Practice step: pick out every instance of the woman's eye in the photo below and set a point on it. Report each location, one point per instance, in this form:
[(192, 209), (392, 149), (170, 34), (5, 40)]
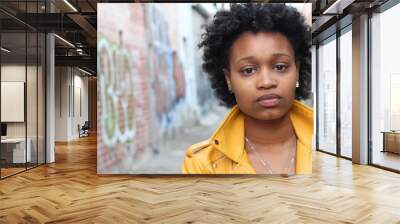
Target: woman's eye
[(280, 67), (248, 71)]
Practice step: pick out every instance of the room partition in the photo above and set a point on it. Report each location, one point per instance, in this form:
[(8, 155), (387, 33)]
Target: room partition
[(22, 77)]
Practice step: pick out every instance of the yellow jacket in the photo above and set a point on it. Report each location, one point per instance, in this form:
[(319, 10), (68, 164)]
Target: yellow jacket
[(224, 152)]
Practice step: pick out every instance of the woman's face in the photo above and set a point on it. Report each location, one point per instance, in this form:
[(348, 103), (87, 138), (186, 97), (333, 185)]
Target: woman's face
[(263, 74)]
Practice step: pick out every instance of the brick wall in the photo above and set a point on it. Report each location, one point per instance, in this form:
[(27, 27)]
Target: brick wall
[(141, 83)]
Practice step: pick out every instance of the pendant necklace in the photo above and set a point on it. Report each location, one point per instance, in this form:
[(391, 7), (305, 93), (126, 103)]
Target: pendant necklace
[(265, 163)]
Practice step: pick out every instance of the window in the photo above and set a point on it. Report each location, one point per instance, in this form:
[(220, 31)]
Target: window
[(22, 78), (385, 89), (327, 96), (346, 92)]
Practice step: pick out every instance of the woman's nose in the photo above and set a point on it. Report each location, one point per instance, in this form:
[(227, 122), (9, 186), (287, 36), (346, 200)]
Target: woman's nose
[(266, 79)]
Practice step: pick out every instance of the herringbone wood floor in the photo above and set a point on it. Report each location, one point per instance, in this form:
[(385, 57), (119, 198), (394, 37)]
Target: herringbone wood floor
[(70, 191)]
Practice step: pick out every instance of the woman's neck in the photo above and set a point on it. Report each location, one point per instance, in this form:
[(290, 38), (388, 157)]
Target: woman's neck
[(273, 132)]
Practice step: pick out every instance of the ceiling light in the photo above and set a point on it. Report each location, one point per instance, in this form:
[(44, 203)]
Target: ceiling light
[(330, 8), (5, 50), (338, 6), (70, 5), (64, 40), (86, 72), (79, 51)]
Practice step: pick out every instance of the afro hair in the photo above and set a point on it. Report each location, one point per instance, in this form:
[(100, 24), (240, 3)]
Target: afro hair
[(228, 25)]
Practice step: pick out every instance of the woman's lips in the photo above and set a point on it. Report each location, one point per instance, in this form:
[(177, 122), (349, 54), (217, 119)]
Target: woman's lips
[(269, 100)]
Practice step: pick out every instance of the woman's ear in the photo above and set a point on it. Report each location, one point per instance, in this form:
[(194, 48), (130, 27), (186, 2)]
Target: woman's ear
[(228, 79)]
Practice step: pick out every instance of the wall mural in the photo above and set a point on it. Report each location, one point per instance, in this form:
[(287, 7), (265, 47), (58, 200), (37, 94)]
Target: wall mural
[(121, 104), (117, 97), (154, 99), (138, 93), (169, 80)]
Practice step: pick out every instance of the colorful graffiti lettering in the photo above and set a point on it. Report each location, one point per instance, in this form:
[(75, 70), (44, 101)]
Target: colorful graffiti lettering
[(116, 84), (169, 80)]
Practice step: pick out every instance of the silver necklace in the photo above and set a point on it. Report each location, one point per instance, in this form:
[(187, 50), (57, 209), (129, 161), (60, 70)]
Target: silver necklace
[(265, 163)]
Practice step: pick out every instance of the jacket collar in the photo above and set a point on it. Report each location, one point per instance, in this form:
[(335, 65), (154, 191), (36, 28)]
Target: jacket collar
[(229, 137)]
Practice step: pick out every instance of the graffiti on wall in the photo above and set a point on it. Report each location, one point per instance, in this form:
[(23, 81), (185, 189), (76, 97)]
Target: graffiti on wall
[(122, 101), (116, 82), (141, 87), (168, 82)]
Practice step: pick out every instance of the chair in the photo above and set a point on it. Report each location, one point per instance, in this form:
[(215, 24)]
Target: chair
[(84, 130)]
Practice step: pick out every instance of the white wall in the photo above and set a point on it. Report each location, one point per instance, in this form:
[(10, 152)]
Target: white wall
[(33, 126), (12, 73), (79, 117), (61, 103), (70, 83)]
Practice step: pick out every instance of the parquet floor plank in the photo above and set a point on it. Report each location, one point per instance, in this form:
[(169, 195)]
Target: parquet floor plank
[(70, 191)]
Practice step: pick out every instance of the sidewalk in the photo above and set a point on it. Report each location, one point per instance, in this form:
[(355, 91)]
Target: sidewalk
[(172, 152)]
